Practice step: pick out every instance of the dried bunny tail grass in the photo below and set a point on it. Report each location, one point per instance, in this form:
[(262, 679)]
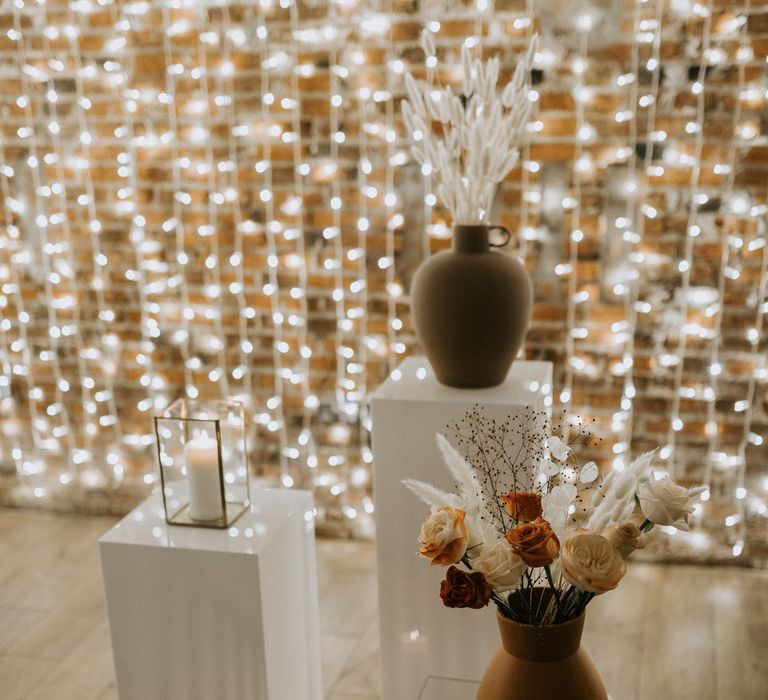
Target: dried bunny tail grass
[(530, 56), (436, 110), (427, 42), (409, 116), (415, 95), (479, 140), (466, 64), (509, 163)]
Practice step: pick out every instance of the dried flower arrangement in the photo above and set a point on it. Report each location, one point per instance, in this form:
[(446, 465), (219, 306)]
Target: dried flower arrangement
[(475, 143), (528, 515)]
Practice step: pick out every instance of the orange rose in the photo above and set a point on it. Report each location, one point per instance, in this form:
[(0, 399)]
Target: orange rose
[(444, 536), (535, 542), (465, 590), (523, 506)]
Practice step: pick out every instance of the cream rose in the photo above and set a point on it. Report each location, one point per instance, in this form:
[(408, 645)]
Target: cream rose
[(500, 565), (443, 537), (664, 502), (626, 537), (591, 563)]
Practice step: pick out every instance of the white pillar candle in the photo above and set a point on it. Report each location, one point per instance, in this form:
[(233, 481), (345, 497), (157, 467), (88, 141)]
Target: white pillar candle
[(202, 461)]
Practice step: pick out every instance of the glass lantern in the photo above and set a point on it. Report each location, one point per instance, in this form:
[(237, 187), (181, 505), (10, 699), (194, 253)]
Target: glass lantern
[(203, 457)]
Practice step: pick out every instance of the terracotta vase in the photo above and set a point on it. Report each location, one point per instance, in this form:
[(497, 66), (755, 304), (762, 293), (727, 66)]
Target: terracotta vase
[(471, 307), (541, 663)]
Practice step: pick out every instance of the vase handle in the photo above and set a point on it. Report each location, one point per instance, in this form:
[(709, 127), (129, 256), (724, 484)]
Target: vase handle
[(507, 236)]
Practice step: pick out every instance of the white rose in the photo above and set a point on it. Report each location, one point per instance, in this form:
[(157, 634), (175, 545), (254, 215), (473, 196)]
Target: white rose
[(664, 502), (500, 565)]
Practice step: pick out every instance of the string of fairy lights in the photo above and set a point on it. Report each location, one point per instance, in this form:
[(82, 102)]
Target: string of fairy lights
[(368, 345), (528, 166), (135, 141), (54, 270), (274, 417), (622, 419), (20, 345), (86, 213), (693, 230), (649, 29), (64, 268), (237, 287), (730, 245), (215, 201), (584, 132)]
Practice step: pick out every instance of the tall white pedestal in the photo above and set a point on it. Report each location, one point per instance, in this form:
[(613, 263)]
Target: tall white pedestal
[(197, 614), (427, 648)]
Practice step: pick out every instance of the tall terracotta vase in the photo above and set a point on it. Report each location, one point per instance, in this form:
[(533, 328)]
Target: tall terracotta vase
[(471, 307), (541, 663)]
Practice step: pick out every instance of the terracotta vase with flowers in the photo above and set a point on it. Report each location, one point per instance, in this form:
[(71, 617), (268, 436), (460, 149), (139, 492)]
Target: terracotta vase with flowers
[(522, 550)]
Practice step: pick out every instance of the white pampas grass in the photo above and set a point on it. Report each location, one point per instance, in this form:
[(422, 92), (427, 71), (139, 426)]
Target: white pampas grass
[(480, 138), (469, 486), (431, 495), (470, 491)]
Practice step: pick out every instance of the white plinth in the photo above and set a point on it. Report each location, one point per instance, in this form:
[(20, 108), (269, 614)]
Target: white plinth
[(420, 638), (197, 614)]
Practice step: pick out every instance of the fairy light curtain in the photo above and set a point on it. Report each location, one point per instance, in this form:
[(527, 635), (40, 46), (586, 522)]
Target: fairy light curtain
[(217, 198)]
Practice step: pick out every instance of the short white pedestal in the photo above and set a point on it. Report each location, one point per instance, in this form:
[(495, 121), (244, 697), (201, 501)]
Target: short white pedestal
[(423, 643), (198, 614)]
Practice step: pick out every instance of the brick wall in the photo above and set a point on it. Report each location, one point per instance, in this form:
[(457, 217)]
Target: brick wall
[(197, 197)]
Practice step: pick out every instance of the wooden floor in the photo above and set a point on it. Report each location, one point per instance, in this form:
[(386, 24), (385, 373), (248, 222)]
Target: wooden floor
[(667, 633)]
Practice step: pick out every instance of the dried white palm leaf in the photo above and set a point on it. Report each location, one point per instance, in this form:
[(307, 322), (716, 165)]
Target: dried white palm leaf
[(615, 500)]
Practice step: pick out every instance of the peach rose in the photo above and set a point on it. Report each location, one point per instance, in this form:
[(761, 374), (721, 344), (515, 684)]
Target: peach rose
[(523, 506), (626, 537), (535, 542), (591, 563), (443, 537)]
